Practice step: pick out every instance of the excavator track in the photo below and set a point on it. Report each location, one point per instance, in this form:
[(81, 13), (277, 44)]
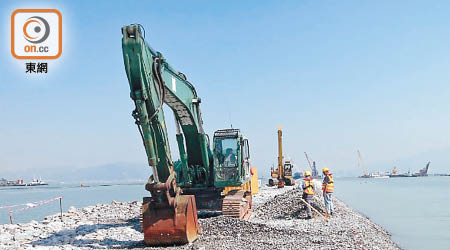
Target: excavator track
[(237, 204)]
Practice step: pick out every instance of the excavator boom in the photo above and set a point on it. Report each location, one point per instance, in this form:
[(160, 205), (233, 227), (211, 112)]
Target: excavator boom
[(280, 158)]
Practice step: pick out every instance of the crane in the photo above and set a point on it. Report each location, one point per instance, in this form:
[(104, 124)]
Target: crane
[(362, 164), (313, 167), (309, 162), (197, 179), (423, 171)]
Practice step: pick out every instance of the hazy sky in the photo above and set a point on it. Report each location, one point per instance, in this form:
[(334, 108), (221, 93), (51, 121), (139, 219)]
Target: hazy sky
[(337, 75)]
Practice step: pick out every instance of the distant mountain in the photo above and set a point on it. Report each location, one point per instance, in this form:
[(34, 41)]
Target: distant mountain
[(108, 172)]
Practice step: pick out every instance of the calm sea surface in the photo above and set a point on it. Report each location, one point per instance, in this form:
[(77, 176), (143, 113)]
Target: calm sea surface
[(416, 211), (73, 195)]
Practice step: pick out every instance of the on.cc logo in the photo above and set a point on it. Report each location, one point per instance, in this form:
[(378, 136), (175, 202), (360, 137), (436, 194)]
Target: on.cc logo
[(36, 29), (36, 34)]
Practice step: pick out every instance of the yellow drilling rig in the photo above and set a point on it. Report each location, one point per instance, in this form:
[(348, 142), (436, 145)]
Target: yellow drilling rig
[(283, 174)]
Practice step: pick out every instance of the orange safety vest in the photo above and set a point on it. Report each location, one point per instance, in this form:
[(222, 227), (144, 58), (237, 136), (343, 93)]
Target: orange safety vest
[(328, 183), (308, 186)]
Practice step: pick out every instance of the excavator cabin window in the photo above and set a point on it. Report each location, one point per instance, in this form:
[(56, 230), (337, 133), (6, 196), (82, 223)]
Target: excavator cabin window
[(288, 168), (225, 150)]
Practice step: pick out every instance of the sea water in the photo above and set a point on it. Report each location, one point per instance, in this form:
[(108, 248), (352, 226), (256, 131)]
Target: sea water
[(416, 211), (72, 195)]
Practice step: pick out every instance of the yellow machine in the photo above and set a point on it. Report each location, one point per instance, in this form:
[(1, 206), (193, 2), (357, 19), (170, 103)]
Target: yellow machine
[(252, 185), (288, 173), (283, 175), (273, 176)]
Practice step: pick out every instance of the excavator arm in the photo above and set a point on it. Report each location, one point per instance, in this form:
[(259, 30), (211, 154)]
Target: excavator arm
[(168, 216), (154, 82)]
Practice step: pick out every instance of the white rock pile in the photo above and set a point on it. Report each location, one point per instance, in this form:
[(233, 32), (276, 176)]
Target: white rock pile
[(277, 223)]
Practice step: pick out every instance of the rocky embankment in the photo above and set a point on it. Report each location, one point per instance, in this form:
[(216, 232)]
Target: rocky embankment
[(278, 222)]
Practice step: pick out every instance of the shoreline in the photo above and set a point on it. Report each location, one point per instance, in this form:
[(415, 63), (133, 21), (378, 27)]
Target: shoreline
[(277, 222), (344, 220)]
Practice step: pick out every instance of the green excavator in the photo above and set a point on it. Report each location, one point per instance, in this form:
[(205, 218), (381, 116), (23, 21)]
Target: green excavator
[(197, 180)]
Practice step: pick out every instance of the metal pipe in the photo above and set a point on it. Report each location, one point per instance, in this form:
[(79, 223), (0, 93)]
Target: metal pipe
[(177, 124), (60, 207), (315, 210), (199, 116), (10, 216)]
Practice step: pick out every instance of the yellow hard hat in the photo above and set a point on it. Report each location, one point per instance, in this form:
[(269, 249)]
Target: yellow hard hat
[(325, 170), (307, 173)]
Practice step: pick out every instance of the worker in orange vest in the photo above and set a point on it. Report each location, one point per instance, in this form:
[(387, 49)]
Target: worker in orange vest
[(308, 192), (328, 188)]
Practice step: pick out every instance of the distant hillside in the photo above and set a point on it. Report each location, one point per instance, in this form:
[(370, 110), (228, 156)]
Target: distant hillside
[(108, 172)]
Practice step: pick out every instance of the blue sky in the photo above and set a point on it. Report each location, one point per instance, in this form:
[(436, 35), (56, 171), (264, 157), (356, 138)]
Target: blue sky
[(337, 75)]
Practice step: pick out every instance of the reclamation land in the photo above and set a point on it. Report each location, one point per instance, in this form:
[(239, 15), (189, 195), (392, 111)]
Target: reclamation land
[(278, 221)]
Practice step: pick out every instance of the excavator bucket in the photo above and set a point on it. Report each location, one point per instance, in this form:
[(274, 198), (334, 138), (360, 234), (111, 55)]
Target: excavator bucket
[(164, 224)]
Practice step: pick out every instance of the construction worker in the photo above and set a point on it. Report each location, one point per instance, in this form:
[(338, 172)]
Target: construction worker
[(308, 192), (230, 158), (328, 188)]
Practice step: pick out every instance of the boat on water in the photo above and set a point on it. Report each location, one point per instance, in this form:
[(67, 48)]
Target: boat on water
[(37, 182), (395, 174), (5, 183), (20, 183), (401, 175), (375, 175), (422, 172)]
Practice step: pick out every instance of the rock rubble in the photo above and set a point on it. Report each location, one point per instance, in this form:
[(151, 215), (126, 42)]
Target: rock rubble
[(278, 222)]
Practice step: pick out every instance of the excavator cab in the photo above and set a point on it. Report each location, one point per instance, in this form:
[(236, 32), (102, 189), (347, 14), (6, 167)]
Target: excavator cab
[(288, 168), (288, 173), (232, 172), (231, 158)]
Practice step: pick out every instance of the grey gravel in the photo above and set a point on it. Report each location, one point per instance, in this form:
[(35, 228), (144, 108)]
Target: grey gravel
[(278, 222)]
